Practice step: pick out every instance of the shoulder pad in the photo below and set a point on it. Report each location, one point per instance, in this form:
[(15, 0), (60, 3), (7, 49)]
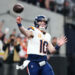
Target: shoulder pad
[(31, 27)]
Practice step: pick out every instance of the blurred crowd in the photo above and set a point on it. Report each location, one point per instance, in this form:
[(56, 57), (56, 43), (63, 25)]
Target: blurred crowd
[(13, 50), (64, 7), (14, 39)]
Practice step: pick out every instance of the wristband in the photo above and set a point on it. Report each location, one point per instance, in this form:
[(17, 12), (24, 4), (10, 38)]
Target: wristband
[(57, 47), (19, 25)]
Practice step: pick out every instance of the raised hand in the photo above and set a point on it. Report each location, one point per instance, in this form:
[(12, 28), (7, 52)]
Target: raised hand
[(61, 41), (18, 20)]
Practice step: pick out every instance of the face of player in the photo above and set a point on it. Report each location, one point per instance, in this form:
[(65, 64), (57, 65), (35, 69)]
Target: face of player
[(42, 26)]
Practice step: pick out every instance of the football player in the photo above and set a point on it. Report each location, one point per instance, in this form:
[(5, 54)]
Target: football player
[(39, 41)]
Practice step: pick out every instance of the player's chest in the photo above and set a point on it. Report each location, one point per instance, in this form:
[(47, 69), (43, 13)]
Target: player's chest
[(41, 36)]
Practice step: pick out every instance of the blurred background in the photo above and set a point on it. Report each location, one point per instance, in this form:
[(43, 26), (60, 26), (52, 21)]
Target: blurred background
[(13, 45)]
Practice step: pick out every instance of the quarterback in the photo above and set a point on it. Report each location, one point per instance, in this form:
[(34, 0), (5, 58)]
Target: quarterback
[(39, 41)]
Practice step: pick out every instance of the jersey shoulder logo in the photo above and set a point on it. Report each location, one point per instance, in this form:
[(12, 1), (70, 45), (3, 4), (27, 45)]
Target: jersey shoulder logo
[(39, 35)]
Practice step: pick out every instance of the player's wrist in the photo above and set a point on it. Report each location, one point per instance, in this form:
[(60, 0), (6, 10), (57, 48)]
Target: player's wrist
[(19, 24), (57, 47)]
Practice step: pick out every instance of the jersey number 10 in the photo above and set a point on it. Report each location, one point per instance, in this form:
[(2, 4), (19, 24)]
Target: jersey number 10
[(43, 46)]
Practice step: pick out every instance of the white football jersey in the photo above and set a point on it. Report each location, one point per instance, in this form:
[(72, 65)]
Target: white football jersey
[(38, 44)]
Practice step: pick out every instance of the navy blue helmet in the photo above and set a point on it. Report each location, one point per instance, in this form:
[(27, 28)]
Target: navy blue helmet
[(40, 18)]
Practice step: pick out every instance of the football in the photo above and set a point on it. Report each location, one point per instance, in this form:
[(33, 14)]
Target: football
[(18, 8)]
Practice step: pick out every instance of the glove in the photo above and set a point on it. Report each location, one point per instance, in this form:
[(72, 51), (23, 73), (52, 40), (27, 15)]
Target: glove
[(25, 63), (18, 67)]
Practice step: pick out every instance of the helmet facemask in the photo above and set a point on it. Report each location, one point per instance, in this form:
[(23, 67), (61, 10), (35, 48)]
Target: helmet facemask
[(42, 29), (42, 25), (40, 19)]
